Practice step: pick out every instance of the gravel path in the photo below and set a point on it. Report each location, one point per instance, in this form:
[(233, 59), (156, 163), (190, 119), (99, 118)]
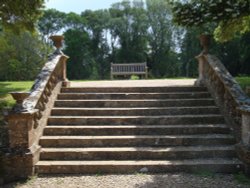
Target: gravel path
[(180, 180), (135, 83)]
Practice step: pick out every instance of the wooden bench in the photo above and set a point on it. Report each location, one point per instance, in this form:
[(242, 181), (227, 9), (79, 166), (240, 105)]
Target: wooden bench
[(128, 69)]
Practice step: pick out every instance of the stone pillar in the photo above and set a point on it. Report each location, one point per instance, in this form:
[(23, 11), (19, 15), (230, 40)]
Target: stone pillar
[(66, 82), (243, 148), (245, 134), (201, 61), (23, 153), (21, 129), (58, 43)]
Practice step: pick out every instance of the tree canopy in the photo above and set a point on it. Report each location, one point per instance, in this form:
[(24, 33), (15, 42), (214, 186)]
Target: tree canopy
[(20, 14), (231, 16), (127, 32)]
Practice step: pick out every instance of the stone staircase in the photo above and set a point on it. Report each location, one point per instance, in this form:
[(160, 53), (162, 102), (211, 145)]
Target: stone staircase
[(136, 129)]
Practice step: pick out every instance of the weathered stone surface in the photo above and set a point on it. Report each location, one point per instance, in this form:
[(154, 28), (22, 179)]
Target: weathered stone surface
[(231, 99), (154, 123), (4, 136), (245, 111), (148, 89), (135, 103), (89, 130), (21, 129), (94, 167), (173, 95), (226, 91), (228, 80), (26, 123), (138, 153)]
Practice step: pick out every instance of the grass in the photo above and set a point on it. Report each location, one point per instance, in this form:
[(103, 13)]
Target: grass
[(243, 81), (5, 98), (204, 173), (242, 178)]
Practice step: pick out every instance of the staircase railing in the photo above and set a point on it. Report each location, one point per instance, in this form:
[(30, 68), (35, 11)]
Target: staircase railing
[(28, 117), (233, 102)]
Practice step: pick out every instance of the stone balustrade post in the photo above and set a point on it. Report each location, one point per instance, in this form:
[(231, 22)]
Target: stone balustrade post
[(243, 148), (58, 43), (245, 111), (204, 42), (21, 129), (66, 82), (23, 152), (201, 61)]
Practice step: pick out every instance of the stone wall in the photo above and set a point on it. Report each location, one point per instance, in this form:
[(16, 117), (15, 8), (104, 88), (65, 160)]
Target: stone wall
[(3, 145), (233, 102), (27, 119), (226, 91), (3, 135)]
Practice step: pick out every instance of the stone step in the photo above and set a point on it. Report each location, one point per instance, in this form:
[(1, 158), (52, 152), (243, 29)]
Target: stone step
[(179, 95), (150, 166), (134, 111), (136, 130), (136, 120), (134, 103), (133, 89), (138, 153), (136, 141)]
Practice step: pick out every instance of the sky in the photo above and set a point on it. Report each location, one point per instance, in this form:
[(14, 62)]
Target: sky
[(79, 6)]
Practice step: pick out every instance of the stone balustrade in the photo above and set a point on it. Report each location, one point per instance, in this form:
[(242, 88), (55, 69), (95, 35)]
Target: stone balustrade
[(233, 102), (28, 117)]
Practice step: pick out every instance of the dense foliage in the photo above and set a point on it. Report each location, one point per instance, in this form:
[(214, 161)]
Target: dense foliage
[(22, 56), (127, 32), (20, 14), (232, 16)]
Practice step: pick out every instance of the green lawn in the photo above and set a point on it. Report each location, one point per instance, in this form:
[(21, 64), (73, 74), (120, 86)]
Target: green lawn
[(243, 81), (5, 87)]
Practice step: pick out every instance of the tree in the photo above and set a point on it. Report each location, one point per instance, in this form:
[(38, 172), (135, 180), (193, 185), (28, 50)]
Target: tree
[(129, 26), (50, 23), (77, 47), (20, 14), (22, 56), (232, 16), (161, 40), (97, 27)]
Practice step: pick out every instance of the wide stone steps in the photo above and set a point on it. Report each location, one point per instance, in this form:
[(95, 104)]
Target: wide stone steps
[(132, 166), (136, 129), (89, 130), (136, 140), (134, 111), (107, 103), (133, 89), (138, 153), (135, 120), (171, 95)]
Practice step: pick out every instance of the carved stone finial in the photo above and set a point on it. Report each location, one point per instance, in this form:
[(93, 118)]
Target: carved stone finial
[(19, 97), (57, 42), (205, 42)]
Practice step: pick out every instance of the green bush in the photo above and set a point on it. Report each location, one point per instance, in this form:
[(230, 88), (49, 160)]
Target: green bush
[(134, 77)]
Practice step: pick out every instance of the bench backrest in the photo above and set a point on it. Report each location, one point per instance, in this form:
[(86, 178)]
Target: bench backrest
[(128, 67)]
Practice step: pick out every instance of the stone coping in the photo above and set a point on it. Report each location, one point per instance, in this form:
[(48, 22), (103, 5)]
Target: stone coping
[(228, 80), (40, 83), (245, 109)]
